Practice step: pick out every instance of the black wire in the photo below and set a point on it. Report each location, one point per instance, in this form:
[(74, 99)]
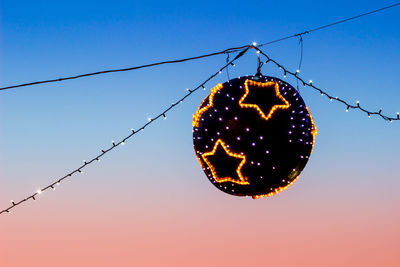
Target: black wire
[(114, 144), (352, 18), (301, 59), (126, 69), (229, 50), (227, 68), (329, 25), (331, 98)]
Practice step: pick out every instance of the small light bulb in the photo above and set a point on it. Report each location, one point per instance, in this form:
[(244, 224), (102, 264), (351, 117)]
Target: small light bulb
[(254, 43), (39, 191)]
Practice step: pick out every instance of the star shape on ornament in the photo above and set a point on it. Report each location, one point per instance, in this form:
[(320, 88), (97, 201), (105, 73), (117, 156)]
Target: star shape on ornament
[(200, 111), (225, 159), (259, 92)]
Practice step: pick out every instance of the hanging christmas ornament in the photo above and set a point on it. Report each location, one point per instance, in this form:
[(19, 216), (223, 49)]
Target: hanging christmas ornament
[(253, 136)]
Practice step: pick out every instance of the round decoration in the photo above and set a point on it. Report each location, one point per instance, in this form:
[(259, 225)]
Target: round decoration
[(253, 136)]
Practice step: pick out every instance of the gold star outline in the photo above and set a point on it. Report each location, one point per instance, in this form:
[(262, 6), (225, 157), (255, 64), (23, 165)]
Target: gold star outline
[(242, 181), (275, 85), (200, 111)]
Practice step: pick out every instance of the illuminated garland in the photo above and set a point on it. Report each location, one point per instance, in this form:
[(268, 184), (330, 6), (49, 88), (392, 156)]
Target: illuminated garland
[(122, 142), (323, 93)]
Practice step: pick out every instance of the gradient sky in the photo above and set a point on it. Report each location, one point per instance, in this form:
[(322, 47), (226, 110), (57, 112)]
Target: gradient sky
[(148, 203)]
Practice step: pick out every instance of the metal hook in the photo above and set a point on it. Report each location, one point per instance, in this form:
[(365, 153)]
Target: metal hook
[(260, 64)]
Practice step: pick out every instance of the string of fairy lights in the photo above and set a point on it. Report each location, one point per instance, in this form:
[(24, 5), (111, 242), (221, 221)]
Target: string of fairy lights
[(122, 142), (241, 50), (323, 93)]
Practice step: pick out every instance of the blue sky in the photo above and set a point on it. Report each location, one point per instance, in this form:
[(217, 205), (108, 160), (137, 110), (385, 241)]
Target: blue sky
[(151, 194)]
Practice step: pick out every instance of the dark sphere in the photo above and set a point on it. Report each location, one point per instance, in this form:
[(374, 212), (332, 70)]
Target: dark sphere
[(253, 136)]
